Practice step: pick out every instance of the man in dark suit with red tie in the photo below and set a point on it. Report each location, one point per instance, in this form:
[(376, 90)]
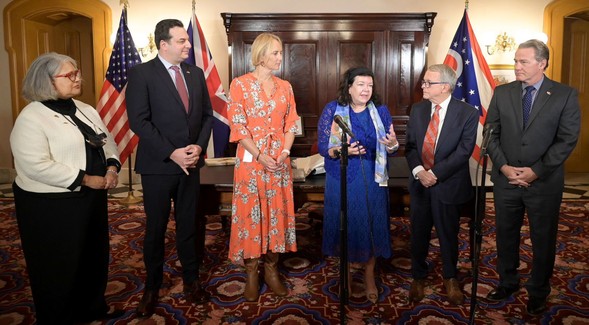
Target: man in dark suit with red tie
[(537, 123), (170, 110), (441, 135)]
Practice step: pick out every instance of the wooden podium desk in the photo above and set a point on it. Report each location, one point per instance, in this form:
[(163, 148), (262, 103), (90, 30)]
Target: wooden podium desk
[(217, 188)]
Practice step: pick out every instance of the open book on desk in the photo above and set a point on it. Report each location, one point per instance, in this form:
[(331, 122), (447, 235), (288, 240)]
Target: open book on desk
[(305, 166)]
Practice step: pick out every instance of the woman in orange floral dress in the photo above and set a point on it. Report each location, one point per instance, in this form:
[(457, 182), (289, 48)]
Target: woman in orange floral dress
[(262, 115)]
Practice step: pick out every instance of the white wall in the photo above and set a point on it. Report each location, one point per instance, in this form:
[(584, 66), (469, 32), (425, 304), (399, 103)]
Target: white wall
[(523, 19)]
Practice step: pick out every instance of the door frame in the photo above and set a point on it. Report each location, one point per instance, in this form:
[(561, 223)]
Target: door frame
[(554, 15), (16, 12)]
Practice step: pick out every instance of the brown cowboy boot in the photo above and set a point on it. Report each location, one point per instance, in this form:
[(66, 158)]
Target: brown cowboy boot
[(271, 275), (251, 291)]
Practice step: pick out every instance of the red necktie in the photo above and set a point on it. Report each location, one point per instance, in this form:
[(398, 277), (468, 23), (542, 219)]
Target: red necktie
[(181, 86), (429, 143)]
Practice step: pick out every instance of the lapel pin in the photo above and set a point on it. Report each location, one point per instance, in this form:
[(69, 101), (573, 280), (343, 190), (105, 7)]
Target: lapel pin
[(548, 93)]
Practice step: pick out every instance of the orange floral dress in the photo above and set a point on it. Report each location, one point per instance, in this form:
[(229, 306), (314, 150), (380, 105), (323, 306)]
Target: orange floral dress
[(262, 214)]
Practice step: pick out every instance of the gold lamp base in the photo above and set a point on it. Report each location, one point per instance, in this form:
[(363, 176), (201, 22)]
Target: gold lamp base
[(131, 199)]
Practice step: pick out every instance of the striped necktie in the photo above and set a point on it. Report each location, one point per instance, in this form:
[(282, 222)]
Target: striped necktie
[(429, 143)]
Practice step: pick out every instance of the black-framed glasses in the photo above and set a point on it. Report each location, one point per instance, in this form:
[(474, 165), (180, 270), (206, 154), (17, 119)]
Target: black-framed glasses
[(427, 84), (72, 75)]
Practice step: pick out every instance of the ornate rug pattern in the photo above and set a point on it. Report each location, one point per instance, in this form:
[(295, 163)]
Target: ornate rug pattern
[(313, 280)]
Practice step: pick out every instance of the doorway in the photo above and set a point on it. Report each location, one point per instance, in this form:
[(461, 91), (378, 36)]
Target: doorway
[(575, 73), (566, 22), (80, 29)]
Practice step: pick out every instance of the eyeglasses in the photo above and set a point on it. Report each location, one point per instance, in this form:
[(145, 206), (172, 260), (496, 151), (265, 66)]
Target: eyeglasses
[(95, 140), (427, 84), (72, 75)]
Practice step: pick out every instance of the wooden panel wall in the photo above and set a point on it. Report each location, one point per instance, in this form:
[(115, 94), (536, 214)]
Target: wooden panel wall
[(319, 48)]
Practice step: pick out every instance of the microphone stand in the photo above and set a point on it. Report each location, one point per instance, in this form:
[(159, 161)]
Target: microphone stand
[(343, 229), (478, 235)]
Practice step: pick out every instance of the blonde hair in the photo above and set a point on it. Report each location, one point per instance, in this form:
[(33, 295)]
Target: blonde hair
[(261, 45)]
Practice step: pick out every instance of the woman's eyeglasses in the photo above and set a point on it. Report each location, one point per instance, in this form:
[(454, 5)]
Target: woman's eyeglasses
[(96, 140), (72, 75)]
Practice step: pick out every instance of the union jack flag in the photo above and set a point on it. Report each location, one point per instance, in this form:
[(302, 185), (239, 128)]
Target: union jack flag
[(112, 106), (202, 58), (475, 83)]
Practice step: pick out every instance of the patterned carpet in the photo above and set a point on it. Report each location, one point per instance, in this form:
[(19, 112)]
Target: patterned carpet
[(312, 280)]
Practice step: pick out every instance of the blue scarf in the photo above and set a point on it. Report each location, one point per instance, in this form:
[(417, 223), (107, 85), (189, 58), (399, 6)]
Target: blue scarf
[(381, 175)]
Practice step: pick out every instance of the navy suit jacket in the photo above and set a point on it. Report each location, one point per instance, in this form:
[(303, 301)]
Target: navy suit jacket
[(453, 150), (157, 115), (548, 139)]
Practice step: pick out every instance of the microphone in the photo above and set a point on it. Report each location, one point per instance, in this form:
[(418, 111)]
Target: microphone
[(342, 124), (487, 131)]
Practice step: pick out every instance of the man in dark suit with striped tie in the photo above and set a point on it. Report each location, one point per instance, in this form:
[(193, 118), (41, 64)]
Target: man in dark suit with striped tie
[(170, 110), (441, 136), (537, 123)]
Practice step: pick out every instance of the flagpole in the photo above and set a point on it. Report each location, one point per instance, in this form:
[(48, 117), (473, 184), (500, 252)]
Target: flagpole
[(130, 199)]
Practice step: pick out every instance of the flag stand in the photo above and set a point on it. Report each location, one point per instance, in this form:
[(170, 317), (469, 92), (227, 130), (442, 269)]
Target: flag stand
[(130, 199)]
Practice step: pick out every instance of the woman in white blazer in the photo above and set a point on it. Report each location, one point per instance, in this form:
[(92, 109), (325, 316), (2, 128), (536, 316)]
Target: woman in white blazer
[(65, 161)]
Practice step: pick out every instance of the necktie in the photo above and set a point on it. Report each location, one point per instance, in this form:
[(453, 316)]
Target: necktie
[(527, 103), (181, 86), (429, 143)]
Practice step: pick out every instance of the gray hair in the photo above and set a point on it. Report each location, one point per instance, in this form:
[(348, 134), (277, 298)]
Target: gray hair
[(540, 49), (447, 74), (38, 82)]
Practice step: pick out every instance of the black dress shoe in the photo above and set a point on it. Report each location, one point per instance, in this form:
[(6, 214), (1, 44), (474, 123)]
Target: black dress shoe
[(536, 306), (146, 306), (501, 293), (195, 294)]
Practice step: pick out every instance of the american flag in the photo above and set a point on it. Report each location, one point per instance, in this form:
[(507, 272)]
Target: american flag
[(112, 106), (475, 83), (202, 58)]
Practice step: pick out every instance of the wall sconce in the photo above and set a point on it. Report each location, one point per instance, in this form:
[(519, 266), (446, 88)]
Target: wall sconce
[(503, 43), (149, 50)]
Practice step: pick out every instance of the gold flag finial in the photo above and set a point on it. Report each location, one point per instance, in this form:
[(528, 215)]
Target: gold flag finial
[(125, 3), (466, 4), (193, 5)]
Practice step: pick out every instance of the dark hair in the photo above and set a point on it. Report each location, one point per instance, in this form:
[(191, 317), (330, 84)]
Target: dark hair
[(348, 78), (162, 30), (540, 49)]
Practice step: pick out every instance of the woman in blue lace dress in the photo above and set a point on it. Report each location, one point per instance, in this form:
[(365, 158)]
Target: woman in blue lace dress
[(367, 194)]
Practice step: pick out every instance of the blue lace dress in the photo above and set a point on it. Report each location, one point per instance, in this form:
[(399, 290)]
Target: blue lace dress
[(368, 203)]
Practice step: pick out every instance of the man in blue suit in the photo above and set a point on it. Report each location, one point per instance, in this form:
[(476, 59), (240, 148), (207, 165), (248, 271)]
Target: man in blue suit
[(170, 110), (441, 181), (533, 139)]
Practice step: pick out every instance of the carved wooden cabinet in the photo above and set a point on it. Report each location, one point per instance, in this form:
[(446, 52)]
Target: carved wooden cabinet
[(319, 48)]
